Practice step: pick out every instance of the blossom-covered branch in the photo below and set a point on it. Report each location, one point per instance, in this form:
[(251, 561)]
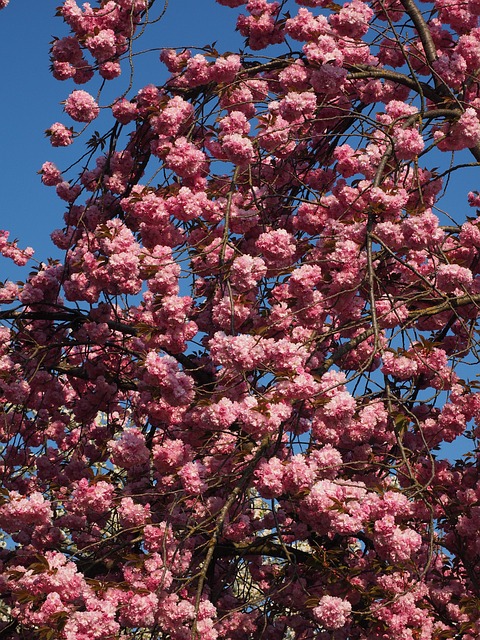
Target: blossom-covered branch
[(223, 412)]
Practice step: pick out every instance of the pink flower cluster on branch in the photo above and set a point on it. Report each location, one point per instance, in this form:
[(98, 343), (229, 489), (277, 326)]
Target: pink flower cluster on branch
[(222, 412), (104, 32), (10, 249)]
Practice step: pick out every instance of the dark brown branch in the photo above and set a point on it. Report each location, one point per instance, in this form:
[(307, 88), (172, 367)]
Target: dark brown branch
[(81, 373), (264, 548), (359, 72), (422, 29)]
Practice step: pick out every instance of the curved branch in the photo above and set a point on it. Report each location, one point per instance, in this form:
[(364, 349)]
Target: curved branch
[(360, 71), (422, 29)]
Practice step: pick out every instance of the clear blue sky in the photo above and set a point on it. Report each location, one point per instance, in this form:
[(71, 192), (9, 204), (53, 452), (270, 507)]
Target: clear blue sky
[(32, 102)]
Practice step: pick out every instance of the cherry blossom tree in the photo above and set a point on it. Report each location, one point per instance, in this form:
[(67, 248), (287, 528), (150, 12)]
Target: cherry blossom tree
[(223, 412)]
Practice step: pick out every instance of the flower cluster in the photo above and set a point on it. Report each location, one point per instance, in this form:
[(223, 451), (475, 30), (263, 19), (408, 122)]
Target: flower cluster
[(81, 106)]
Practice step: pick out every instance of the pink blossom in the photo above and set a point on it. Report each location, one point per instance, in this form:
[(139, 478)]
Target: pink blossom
[(176, 387), (226, 68), (422, 231), (67, 50), (341, 407), (110, 70), (468, 48), (470, 235), (277, 247), (352, 20), (59, 135), (174, 61), (393, 542), (59, 576), (332, 612), (328, 79), (72, 14), (260, 28), (242, 351), (51, 175), (390, 53), (451, 276), (191, 475), (451, 68), (336, 506), (238, 149), (63, 70), (324, 51), (129, 450), (239, 98), (132, 514), (399, 366), (463, 134), (83, 74), (305, 26), (228, 464), (304, 279), (102, 45), (298, 105), (81, 106), (276, 137), (92, 498), (188, 205), (8, 291), (221, 414), (469, 127), (170, 455), (390, 10), (140, 610), (147, 208), (176, 115), (227, 313), (198, 71), (124, 111), (148, 98), (310, 218), (51, 608), (10, 250), (398, 109), (246, 272), (158, 537), (91, 625), (474, 199), (408, 143), (285, 355), (235, 122), (390, 314), (328, 461), (299, 475), (269, 478), (295, 76), (21, 511), (313, 3), (185, 159), (135, 5)]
